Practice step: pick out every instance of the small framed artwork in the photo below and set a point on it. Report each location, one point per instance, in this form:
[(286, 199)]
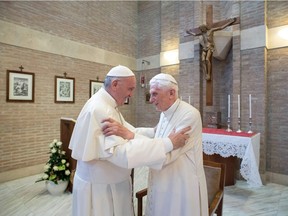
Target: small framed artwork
[(126, 101), (20, 86), (64, 89), (95, 85), (147, 97)]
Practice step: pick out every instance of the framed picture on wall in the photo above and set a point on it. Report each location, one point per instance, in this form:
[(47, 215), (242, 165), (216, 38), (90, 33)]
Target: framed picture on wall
[(95, 85), (64, 89), (20, 86), (126, 101)]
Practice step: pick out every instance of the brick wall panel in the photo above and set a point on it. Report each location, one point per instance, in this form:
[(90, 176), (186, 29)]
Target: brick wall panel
[(26, 129)]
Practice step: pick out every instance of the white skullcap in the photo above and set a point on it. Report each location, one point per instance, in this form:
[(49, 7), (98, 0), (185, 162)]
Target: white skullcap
[(120, 71), (163, 79)]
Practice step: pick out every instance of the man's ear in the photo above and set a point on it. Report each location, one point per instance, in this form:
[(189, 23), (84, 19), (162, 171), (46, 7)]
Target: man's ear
[(172, 92), (114, 83)]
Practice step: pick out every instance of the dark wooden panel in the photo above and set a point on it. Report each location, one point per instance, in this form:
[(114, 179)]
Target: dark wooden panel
[(230, 163), (66, 130)]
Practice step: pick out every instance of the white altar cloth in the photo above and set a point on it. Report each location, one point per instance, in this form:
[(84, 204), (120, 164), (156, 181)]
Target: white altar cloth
[(242, 145)]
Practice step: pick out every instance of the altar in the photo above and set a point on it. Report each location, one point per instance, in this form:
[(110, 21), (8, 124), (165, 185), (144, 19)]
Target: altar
[(243, 145)]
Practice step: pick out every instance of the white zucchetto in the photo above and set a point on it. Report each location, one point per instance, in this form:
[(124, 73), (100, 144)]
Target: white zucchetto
[(163, 78), (120, 71)]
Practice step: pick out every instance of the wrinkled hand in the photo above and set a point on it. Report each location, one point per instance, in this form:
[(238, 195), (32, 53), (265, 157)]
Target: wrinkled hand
[(112, 127), (178, 139)]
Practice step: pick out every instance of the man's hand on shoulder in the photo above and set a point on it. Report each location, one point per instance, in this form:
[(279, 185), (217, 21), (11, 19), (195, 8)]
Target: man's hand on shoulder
[(112, 127), (179, 139)]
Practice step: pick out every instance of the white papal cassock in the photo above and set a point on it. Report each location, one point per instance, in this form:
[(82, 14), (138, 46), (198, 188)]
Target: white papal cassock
[(102, 184), (179, 188)]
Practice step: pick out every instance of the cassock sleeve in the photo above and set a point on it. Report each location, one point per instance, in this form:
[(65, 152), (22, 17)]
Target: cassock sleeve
[(140, 152), (148, 132), (88, 142)]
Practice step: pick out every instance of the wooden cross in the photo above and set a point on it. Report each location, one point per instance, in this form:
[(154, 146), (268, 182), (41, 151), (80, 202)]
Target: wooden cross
[(21, 68), (206, 32), (65, 74)]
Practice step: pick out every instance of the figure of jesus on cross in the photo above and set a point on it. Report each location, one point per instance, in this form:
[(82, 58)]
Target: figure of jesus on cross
[(207, 42), (206, 34)]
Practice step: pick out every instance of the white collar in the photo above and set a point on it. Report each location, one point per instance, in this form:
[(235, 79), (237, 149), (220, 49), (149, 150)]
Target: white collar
[(170, 111)]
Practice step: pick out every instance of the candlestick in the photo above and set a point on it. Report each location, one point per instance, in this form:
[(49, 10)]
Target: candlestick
[(228, 119), (239, 126), (250, 107), (250, 125), (229, 106), (228, 125), (239, 120), (238, 106), (142, 81)]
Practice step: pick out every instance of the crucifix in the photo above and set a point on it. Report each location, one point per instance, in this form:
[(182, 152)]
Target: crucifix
[(21, 68), (206, 34)]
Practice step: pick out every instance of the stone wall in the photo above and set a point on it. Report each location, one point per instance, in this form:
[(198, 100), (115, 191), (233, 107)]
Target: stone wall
[(108, 25), (277, 127), (26, 129), (245, 71), (141, 30)]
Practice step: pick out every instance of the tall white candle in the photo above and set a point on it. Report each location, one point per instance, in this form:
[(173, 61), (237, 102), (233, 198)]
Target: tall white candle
[(229, 106), (180, 97), (189, 100), (250, 107), (238, 106)]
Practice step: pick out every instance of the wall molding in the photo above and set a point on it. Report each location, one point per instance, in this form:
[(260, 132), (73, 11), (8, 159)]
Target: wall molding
[(276, 178), (274, 40), (21, 173), (20, 36)]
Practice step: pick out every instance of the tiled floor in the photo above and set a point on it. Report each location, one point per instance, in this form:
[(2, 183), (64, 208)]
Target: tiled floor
[(23, 197), (268, 200)]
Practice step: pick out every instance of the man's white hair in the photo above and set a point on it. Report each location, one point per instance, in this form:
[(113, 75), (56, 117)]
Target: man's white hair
[(166, 81)]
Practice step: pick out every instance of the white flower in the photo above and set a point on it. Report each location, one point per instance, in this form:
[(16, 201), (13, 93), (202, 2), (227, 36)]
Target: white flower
[(67, 172), (53, 150), (45, 176), (46, 167), (51, 168)]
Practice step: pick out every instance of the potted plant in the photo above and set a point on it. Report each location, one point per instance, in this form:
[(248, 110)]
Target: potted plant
[(56, 170)]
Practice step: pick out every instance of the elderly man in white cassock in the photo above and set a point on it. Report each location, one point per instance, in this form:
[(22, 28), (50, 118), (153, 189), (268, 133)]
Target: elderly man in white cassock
[(179, 188), (102, 182)]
